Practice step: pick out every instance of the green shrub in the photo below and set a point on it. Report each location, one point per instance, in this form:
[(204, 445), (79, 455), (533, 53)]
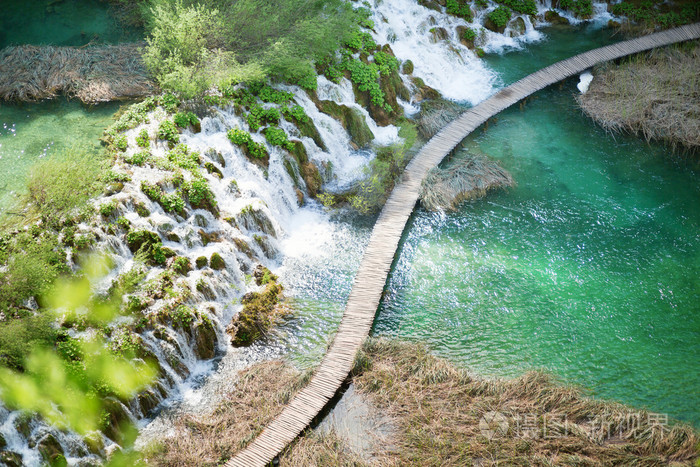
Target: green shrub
[(278, 137), (107, 209), (185, 119), (244, 140), (295, 113), (181, 156), (170, 102), (386, 62), (138, 158), (152, 190), (469, 35), (19, 336), (182, 265), (526, 7), (459, 8), (199, 194), (142, 140), (120, 142), (581, 8), (500, 16), (172, 202), (366, 76), (147, 244), (168, 131), (268, 94), (123, 222), (238, 136), (361, 41)]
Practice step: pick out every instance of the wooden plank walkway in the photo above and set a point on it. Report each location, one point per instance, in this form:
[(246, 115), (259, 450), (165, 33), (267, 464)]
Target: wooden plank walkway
[(379, 255)]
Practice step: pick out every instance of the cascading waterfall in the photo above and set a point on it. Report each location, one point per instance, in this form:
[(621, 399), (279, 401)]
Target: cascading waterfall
[(290, 231)]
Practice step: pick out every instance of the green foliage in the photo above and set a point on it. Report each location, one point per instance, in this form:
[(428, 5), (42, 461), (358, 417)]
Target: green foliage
[(181, 156), (481, 3), (64, 385), (119, 142), (366, 76), (152, 190), (295, 113), (114, 176), (138, 158), (469, 35), (19, 336), (259, 116), (581, 8), (107, 209), (181, 265), (278, 137), (361, 41), (148, 245), (268, 94), (61, 185), (500, 16), (183, 316), (170, 102), (244, 140), (459, 8), (185, 119), (168, 131), (142, 140), (199, 194), (172, 202), (217, 262), (386, 62), (526, 7), (257, 316), (650, 13)]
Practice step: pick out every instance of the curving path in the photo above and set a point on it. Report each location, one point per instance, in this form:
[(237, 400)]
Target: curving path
[(379, 255)]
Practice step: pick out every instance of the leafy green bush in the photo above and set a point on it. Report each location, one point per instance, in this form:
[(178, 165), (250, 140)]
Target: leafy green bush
[(581, 8), (170, 102), (366, 76), (199, 194), (138, 158), (119, 142), (648, 13), (238, 136), (182, 265), (181, 156), (153, 191), (295, 113), (361, 41), (526, 7), (459, 8), (244, 140), (142, 140), (278, 137), (259, 116), (185, 119), (500, 16), (268, 94), (386, 62), (168, 131), (172, 202), (148, 244), (107, 209), (19, 336), (469, 35)]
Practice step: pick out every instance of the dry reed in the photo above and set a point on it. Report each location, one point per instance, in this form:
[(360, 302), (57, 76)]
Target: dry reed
[(656, 94), (470, 177), (435, 115), (92, 74)]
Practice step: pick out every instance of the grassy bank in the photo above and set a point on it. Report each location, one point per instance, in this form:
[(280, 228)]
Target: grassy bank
[(442, 415), (655, 95)]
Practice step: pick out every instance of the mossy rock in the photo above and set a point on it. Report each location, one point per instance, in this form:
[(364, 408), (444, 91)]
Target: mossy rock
[(182, 265), (205, 339), (255, 219), (11, 459), (244, 247), (3, 443), (216, 156), (308, 128), (423, 91), (141, 209), (461, 30), (351, 119), (201, 262), (551, 16), (217, 262), (431, 5), (289, 166), (517, 27), (214, 170), (438, 35), (259, 313), (299, 152), (407, 67), (209, 237), (312, 178), (173, 237), (148, 400), (117, 416), (265, 245)]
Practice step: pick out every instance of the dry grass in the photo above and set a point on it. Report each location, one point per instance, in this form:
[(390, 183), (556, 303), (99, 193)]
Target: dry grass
[(470, 177), (435, 115), (436, 410), (92, 74), (656, 95), (210, 439)]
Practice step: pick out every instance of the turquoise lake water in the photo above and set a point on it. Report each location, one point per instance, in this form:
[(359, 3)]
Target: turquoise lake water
[(588, 268), (31, 131)]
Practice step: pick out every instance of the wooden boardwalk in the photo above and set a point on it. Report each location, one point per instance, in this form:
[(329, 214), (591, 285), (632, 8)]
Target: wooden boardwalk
[(379, 255)]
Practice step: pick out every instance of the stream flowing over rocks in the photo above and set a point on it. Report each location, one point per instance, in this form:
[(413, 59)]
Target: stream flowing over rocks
[(264, 215)]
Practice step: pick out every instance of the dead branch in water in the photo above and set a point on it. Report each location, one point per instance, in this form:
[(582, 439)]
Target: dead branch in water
[(470, 178), (92, 74)]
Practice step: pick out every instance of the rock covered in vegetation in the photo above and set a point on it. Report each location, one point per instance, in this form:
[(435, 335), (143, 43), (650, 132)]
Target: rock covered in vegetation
[(351, 119), (551, 16), (260, 310)]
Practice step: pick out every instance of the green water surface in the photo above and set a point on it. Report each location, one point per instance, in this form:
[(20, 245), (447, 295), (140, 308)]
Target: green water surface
[(589, 268)]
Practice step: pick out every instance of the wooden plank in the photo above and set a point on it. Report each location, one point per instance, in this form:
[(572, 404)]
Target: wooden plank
[(379, 253)]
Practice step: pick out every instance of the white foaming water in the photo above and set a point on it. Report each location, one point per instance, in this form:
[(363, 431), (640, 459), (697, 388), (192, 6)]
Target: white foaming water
[(584, 81)]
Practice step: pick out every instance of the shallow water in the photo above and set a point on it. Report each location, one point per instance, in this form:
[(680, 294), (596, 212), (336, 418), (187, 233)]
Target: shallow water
[(588, 268), (30, 132)]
